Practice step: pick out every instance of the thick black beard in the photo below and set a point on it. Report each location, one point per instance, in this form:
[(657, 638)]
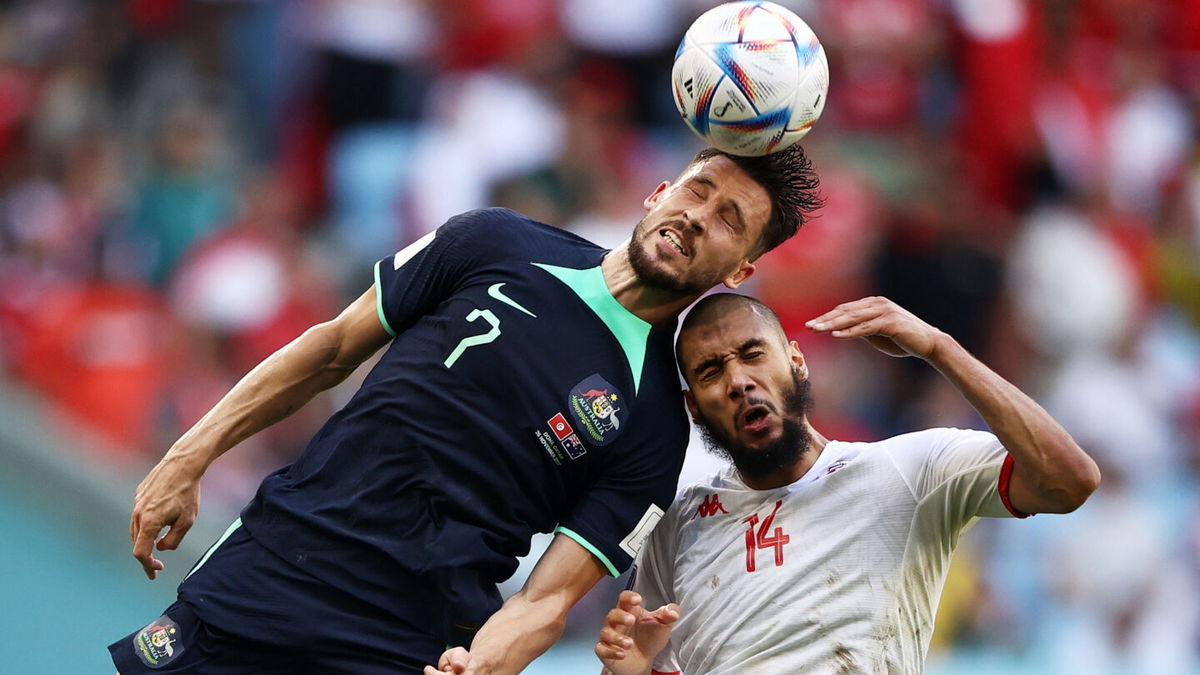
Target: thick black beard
[(656, 277), (784, 451)]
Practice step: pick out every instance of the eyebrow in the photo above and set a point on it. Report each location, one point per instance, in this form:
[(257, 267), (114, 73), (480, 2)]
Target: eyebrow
[(713, 361), (737, 210)]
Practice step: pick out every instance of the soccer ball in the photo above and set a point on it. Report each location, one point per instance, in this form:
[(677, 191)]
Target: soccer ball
[(750, 78)]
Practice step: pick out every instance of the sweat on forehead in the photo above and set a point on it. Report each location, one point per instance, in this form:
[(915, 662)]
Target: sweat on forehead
[(715, 307)]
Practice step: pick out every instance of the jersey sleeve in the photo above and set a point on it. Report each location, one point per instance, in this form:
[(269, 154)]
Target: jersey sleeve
[(654, 579), (415, 280), (968, 468), (618, 512)]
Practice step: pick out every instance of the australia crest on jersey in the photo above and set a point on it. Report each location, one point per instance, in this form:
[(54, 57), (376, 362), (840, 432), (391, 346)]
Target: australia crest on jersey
[(156, 644), (598, 408)]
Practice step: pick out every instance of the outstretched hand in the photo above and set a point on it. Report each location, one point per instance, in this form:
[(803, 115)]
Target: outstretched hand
[(889, 327), (632, 635), (169, 496)]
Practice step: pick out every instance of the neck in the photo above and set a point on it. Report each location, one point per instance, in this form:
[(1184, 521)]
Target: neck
[(793, 472), (652, 305)]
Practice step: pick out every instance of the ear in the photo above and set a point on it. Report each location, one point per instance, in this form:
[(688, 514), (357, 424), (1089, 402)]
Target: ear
[(740, 275), (797, 358), (650, 201), (691, 403)]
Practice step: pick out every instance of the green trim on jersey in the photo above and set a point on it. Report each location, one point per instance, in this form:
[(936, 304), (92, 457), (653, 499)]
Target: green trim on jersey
[(630, 331), (591, 549), (212, 549), (379, 302)]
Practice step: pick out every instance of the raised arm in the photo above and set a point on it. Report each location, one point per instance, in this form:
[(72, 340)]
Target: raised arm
[(533, 618), (1051, 473), (322, 357)]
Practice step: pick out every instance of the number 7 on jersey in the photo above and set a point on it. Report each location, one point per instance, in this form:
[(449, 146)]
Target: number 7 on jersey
[(476, 340)]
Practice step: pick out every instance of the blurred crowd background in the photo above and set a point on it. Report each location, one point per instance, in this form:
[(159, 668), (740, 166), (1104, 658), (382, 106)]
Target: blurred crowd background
[(185, 186)]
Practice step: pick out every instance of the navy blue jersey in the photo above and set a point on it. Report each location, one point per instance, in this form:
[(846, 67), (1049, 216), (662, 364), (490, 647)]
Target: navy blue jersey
[(518, 396)]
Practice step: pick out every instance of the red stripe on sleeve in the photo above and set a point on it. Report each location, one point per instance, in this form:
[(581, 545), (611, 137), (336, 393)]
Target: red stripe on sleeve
[(659, 672), (1002, 486)]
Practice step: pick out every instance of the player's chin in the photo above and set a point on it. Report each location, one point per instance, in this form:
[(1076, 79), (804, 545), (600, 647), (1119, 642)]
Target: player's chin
[(665, 258), (757, 440)]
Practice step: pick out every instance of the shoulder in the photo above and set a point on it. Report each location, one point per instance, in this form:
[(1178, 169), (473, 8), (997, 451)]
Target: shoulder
[(501, 228), (724, 480), (914, 451), (929, 440), (931, 456), (492, 217)]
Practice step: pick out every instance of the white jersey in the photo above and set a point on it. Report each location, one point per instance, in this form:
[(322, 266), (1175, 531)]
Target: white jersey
[(838, 572)]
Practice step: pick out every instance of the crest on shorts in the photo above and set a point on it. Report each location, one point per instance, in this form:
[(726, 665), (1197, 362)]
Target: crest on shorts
[(158, 643)]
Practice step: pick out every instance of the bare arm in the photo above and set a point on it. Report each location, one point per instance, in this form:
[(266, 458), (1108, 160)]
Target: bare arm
[(322, 357), (1051, 473), (533, 618)]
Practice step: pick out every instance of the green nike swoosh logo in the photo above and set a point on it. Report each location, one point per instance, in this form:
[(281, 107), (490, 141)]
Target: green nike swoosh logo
[(494, 291)]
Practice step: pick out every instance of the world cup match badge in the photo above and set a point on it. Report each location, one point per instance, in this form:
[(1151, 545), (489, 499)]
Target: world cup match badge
[(158, 643)]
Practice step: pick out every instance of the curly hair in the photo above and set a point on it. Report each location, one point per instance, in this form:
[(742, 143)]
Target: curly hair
[(789, 178)]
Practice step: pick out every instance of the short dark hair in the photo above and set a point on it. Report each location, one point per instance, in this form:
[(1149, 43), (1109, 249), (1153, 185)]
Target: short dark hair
[(789, 178), (712, 308)]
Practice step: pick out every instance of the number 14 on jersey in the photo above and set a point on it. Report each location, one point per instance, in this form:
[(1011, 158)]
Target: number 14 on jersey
[(764, 539)]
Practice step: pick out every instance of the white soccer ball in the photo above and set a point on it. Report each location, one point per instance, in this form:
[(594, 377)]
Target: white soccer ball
[(750, 78)]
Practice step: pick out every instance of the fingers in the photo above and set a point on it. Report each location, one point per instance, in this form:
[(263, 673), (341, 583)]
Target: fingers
[(615, 637), (850, 314), (175, 535), (629, 601), (456, 660), (666, 615), (608, 652), (856, 329), (143, 550), (619, 620)]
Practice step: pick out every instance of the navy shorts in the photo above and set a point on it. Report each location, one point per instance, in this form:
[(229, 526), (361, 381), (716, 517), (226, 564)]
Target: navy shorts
[(245, 610)]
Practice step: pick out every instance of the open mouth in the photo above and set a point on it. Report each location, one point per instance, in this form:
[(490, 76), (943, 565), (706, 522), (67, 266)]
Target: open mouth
[(674, 241), (756, 418)]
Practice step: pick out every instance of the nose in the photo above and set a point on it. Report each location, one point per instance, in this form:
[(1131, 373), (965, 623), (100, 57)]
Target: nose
[(740, 384), (695, 218)]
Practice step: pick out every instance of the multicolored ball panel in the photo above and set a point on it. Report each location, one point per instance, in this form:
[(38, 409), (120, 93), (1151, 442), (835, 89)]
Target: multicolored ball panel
[(750, 77)]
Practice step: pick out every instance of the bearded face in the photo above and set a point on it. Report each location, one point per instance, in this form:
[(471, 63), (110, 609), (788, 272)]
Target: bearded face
[(784, 450), (702, 230)]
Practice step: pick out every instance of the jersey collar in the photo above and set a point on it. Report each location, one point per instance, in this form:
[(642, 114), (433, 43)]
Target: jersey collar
[(630, 331)]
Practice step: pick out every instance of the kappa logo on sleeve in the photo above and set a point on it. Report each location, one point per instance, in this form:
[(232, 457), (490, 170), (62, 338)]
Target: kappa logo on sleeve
[(158, 643), (711, 506)]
